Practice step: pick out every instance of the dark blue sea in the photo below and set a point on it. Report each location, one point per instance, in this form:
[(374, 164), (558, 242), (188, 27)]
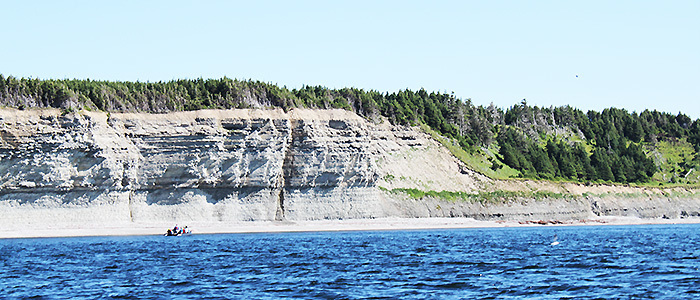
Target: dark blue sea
[(598, 262)]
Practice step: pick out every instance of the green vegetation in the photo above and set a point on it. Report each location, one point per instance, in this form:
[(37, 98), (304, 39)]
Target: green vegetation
[(389, 178), (676, 161), (617, 154), (495, 196), (500, 196), (485, 161), (556, 143)]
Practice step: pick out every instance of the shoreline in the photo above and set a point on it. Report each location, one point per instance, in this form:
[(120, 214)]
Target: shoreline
[(380, 224)]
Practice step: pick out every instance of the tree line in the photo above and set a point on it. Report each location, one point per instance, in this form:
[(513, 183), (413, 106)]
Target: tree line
[(597, 146)]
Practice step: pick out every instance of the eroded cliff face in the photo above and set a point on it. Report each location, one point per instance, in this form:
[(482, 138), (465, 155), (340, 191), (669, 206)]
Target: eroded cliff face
[(234, 165), (252, 165)]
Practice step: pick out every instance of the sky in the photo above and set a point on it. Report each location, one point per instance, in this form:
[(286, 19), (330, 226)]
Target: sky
[(591, 55)]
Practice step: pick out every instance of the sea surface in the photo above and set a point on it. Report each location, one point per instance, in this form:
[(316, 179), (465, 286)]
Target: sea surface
[(590, 262)]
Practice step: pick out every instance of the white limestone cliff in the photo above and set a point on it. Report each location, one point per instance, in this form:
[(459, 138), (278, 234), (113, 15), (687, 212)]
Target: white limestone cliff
[(252, 165)]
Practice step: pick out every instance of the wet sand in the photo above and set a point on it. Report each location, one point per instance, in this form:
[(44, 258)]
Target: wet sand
[(312, 226)]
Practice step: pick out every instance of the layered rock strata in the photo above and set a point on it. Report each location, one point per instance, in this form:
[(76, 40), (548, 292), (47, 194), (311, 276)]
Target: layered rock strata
[(192, 166), (250, 165)]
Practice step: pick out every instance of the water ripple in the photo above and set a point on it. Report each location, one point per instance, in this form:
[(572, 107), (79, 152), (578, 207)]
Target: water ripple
[(589, 263)]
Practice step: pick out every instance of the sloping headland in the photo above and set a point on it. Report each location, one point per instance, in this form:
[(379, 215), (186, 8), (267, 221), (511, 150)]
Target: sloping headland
[(85, 173)]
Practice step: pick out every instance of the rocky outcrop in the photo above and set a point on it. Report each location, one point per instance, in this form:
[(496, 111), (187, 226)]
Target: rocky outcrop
[(250, 165), (556, 209), (190, 166)]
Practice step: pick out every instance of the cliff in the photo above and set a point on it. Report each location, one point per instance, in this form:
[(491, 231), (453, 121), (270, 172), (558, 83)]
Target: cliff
[(557, 143), (261, 165)]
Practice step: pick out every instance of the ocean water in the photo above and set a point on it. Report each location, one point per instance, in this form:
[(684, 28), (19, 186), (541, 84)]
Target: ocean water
[(597, 262)]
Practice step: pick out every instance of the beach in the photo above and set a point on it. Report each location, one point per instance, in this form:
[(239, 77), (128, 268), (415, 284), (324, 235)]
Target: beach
[(76, 230)]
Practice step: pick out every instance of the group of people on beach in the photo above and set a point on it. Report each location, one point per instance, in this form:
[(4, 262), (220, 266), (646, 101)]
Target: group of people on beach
[(178, 231)]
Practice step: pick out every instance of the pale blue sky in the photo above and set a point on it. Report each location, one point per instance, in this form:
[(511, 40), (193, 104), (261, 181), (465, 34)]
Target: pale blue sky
[(629, 54)]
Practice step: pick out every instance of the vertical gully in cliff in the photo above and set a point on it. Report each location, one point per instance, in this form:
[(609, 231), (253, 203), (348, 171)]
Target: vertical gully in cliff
[(131, 207), (287, 170)]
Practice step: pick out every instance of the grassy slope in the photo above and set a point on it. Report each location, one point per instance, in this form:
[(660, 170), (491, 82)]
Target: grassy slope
[(675, 162), (478, 161), (673, 158)]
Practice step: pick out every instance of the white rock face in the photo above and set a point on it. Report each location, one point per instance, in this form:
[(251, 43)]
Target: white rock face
[(248, 165), (236, 165)]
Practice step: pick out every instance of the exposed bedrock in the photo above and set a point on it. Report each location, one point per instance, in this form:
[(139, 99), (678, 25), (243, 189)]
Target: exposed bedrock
[(582, 208), (236, 165), (251, 165)]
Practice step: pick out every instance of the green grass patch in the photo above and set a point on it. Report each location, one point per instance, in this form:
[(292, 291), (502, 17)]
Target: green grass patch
[(674, 159), (477, 161), (495, 196), (636, 195)]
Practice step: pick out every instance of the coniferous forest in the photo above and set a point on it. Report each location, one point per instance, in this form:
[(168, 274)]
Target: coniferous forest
[(557, 143)]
